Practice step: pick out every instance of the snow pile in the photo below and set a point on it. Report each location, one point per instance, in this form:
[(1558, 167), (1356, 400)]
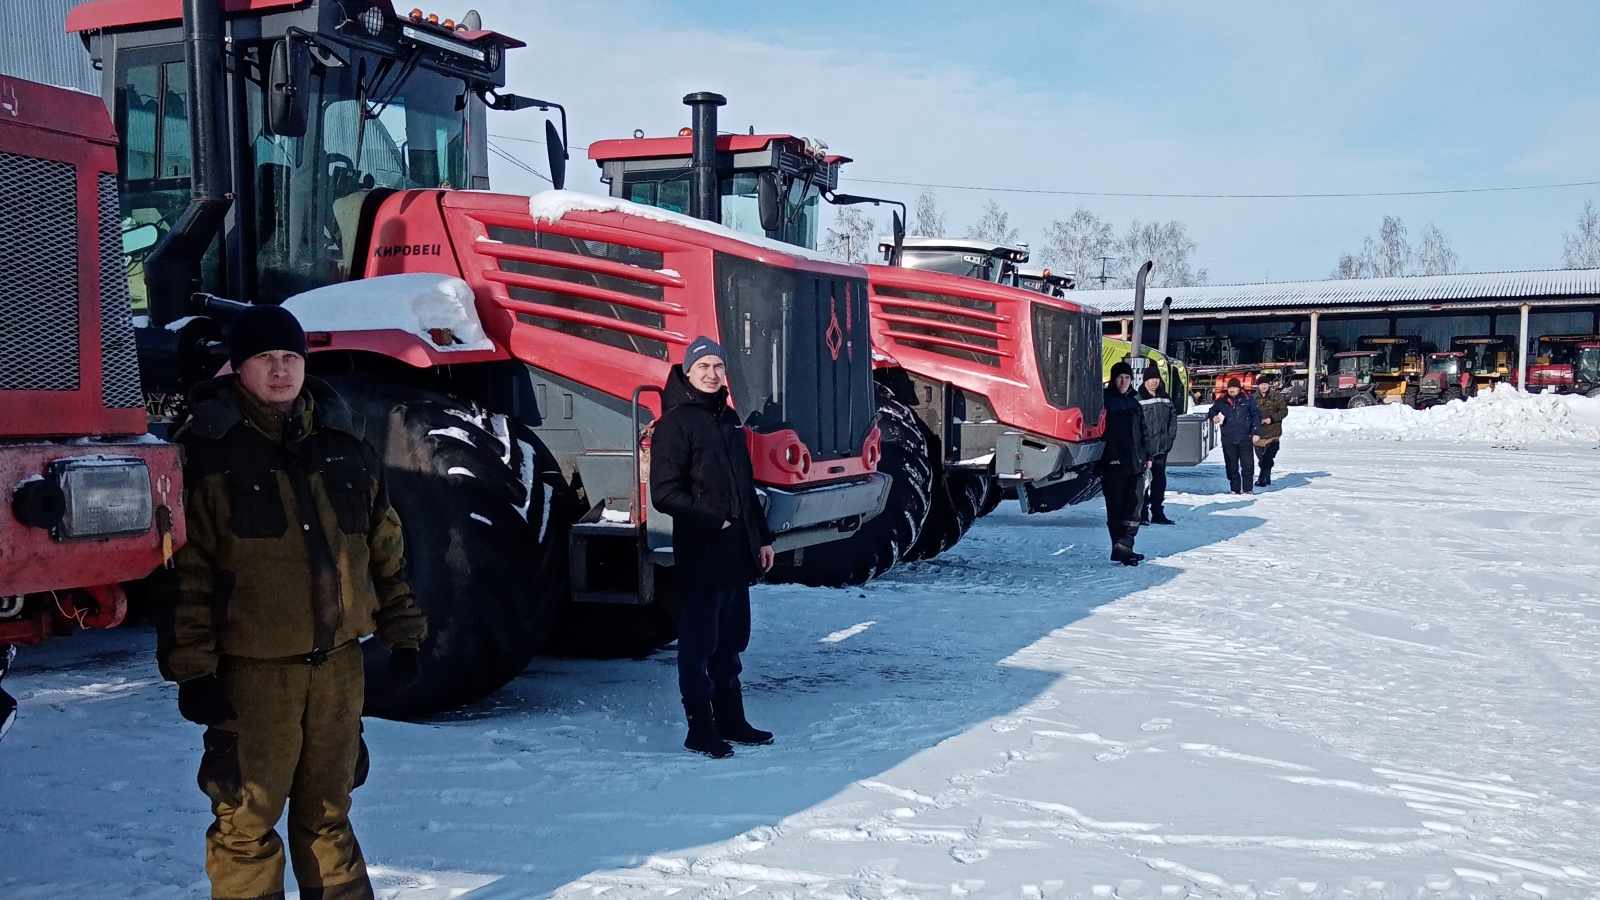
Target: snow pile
[(548, 206), (1503, 415), (417, 303)]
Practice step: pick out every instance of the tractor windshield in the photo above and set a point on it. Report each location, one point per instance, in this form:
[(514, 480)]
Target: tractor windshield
[(1587, 366), (741, 206), (1445, 365), (1283, 349), (372, 126), (1360, 366)]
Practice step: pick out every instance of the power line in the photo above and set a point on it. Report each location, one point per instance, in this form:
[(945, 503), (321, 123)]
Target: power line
[(1310, 195), (517, 162), (1302, 196)]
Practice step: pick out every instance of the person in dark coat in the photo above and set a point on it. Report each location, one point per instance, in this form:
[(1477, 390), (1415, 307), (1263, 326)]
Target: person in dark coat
[(1240, 419), (1160, 418), (1123, 464), (701, 475), (1274, 409)]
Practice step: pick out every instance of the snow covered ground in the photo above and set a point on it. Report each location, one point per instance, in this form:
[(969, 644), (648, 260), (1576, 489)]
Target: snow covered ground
[(1380, 678)]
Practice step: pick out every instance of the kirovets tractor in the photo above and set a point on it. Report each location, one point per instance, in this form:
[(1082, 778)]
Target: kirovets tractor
[(500, 350)]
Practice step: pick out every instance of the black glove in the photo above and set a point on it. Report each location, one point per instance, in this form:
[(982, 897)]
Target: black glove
[(204, 701), (404, 666)]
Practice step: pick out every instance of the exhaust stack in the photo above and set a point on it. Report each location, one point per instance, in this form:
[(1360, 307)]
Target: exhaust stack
[(173, 267), (704, 197), (1136, 352)]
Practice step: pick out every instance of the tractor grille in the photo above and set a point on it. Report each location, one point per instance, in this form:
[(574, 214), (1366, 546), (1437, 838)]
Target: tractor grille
[(614, 310), (1067, 345), (119, 362), (39, 287), (959, 327)]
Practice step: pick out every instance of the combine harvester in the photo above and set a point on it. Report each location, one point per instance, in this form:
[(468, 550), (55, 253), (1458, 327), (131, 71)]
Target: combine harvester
[(95, 500), (502, 351)]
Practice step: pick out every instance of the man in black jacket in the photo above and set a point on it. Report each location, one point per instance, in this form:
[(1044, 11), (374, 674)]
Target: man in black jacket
[(700, 474), (1123, 464), (1240, 419), (1160, 430)]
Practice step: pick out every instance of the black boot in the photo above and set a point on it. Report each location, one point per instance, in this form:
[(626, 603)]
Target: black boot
[(1144, 517), (731, 723), (1124, 554), (1160, 517), (703, 737), (1262, 480)]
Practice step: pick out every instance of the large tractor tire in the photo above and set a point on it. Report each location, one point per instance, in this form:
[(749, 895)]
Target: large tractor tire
[(485, 514), (1360, 400), (1452, 392), (882, 539), (1412, 396), (957, 502)]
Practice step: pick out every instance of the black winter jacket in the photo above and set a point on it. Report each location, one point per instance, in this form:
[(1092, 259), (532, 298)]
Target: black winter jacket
[(1241, 418), (1125, 444), (700, 474), (1160, 420)]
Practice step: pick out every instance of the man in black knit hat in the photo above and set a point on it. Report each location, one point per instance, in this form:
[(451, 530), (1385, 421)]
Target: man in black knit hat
[(1123, 464), (700, 474), (294, 555)]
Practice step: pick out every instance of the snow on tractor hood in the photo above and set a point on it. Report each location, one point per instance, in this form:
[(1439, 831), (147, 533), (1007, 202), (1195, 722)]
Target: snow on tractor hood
[(552, 205), (417, 303)]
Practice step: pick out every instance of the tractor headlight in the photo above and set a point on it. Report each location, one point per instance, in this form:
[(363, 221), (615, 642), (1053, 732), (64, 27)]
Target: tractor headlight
[(373, 20), (104, 497)]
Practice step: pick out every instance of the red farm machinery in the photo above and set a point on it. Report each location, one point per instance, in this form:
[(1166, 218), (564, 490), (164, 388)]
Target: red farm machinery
[(1566, 364), (95, 500), (502, 351), (981, 384)]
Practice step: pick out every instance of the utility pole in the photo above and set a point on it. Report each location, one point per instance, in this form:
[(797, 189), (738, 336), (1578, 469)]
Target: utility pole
[(1103, 276)]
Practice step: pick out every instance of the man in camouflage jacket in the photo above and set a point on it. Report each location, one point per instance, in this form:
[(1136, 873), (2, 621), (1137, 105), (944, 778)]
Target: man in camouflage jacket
[(294, 555)]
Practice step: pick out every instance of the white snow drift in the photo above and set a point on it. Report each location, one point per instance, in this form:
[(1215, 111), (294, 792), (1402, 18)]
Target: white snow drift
[(1505, 415)]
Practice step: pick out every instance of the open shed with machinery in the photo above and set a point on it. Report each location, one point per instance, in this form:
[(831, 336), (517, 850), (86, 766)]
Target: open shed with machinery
[(1438, 308)]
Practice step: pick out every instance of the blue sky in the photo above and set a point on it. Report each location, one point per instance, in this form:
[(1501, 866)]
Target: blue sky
[(1132, 96)]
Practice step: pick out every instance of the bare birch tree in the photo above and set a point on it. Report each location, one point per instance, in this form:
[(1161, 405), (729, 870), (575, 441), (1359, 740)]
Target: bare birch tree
[(853, 236), (993, 225), (926, 219), (1389, 255), (1167, 244), (1076, 245), (1582, 250)]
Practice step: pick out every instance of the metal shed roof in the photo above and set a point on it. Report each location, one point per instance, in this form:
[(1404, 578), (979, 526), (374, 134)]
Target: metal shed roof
[(1557, 286)]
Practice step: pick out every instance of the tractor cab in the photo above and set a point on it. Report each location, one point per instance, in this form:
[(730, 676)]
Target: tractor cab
[(967, 257), (1449, 363), (1487, 356), (1586, 367), (338, 102), (768, 185), (1044, 281), (1400, 355), (1353, 368)]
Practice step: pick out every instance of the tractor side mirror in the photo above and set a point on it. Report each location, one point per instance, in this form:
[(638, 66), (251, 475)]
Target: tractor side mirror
[(769, 202), (557, 150), (897, 230), (288, 106)]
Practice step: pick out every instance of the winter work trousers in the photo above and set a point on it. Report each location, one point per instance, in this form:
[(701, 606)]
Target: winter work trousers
[(1239, 458), (296, 740), (1124, 493), (1156, 496), (713, 629), (1265, 455)]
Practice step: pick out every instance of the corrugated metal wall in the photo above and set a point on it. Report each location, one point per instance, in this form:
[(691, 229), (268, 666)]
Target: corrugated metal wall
[(34, 45)]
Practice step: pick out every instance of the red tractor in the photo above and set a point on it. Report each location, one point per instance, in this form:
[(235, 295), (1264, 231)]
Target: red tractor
[(979, 380), (1213, 361), (1491, 359), (96, 501), (1447, 376), (1566, 364), (503, 351), (1349, 383)]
